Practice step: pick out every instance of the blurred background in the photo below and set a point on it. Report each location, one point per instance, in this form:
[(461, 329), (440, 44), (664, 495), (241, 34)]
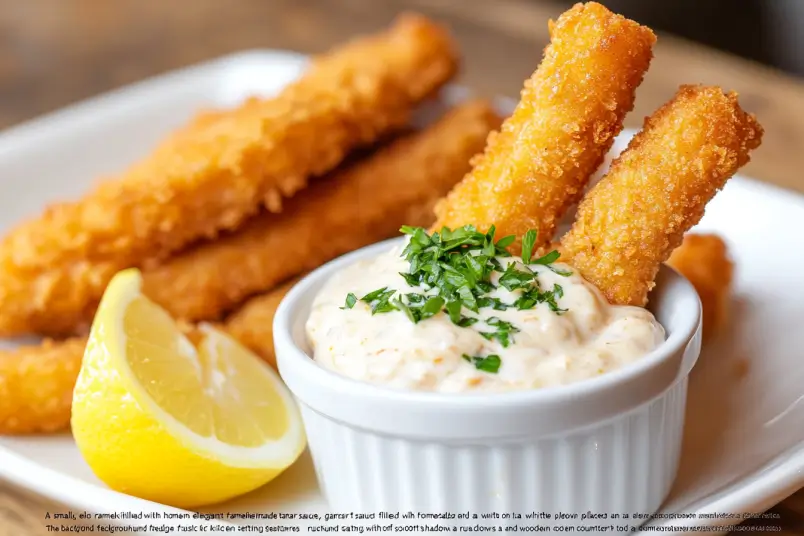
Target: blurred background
[(768, 31), (57, 52)]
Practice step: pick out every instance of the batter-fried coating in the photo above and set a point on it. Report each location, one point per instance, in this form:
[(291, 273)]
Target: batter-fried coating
[(36, 386), (37, 382), (253, 323), (569, 113), (211, 175), (357, 206), (631, 221), (360, 205), (704, 260)]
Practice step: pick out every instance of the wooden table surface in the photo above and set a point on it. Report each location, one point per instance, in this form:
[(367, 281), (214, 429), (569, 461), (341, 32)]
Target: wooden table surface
[(55, 52)]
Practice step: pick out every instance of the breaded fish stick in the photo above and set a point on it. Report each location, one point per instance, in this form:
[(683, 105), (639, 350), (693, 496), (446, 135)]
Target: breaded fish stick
[(569, 113), (362, 204), (213, 174), (37, 382), (253, 323), (36, 386), (704, 260), (631, 221)]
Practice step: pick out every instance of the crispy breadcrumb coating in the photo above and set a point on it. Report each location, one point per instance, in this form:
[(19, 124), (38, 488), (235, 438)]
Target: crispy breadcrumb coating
[(213, 174), (570, 111), (36, 386), (704, 260), (362, 204), (356, 207), (631, 221), (37, 381), (253, 323)]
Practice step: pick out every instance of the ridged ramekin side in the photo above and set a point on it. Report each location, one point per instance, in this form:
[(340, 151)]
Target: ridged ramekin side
[(625, 465)]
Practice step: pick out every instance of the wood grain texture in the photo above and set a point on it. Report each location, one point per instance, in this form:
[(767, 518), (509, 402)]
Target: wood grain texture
[(56, 52)]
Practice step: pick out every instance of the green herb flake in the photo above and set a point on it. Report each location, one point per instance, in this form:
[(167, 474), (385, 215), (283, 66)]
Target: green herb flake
[(466, 321), (432, 307), (559, 271), (503, 332), (410, 279), (402, 306), (513, 278), (558, 291), (490, 363), (547, 259), (506, 241), (454, 311), (351, 300), (415, 299), (528, 241), (495, 303), (378, 300)]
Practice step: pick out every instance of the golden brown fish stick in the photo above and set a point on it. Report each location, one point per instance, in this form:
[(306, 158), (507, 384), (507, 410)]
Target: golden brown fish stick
[(356, 207), (253, 323), (704, 260), (362, 204), (36, 386), (569, 113), (631, 221), (37, 382), (216, 172)]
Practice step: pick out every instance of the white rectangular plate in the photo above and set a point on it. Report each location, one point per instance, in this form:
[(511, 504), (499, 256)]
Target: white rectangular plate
[(745, 421)]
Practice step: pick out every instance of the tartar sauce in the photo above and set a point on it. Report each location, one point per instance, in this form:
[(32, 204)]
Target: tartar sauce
[(585, 338)]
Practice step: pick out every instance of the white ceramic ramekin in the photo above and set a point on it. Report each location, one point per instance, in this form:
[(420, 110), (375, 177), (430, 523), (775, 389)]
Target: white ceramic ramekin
[(606, 445)]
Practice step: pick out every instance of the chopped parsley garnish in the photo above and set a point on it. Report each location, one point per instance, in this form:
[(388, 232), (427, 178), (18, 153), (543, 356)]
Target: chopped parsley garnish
[(351, 300), (528, 242), (419, 307), (490, 363), (559, 271), (513, 278), (454, 270), (502, 332), (378, 300), (547, 259), (495, 303), (534, 295)]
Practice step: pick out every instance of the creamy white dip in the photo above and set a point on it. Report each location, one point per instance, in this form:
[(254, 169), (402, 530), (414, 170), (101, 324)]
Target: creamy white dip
[(589, 339)]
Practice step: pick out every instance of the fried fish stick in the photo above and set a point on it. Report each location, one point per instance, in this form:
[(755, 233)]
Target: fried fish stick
[(253, 323), (213, 174), (704, 260), (630, 222), (36, 386), (353, 208), (37, 382), (569, 113), (357, 206)]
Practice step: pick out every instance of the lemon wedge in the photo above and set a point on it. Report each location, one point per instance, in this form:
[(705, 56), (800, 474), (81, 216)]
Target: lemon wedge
[(173, 421)]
